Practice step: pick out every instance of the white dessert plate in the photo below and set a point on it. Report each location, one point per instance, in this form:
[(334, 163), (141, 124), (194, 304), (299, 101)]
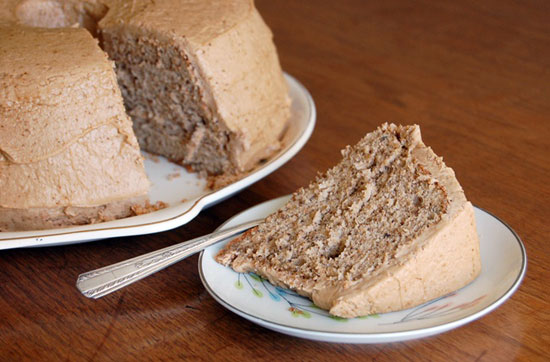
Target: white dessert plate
[(184, 193), (503, 266)]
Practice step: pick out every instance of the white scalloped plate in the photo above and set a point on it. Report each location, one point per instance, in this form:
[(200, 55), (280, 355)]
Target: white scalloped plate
[(185, 194), (503, 266)]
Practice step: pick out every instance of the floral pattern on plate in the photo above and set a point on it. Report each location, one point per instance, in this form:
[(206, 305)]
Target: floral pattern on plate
[(300, 306)]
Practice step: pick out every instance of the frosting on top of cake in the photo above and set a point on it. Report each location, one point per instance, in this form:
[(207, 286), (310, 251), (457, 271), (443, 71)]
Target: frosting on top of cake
[(198, 20), (49, 79)]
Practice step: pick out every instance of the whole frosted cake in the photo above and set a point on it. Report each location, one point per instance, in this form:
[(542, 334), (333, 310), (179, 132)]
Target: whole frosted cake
[(386, 229), (200, 80)]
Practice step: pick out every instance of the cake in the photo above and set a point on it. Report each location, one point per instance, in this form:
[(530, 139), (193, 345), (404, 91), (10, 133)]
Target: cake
[(68, 154), (200, 80), (386, 229)]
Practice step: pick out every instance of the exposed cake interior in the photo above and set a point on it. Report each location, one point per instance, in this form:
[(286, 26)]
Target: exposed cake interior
[(377, 195), (353, 222), (200, 79), (177, 124)]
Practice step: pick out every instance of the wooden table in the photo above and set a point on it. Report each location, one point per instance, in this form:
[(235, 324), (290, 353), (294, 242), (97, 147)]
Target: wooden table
[(474, 74)]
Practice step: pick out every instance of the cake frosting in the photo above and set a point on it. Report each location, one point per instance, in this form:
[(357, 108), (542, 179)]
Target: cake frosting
[(65, 139), (388, 228)]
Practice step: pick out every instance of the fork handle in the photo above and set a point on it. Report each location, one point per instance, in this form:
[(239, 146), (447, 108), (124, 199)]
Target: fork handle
[(100, 282)]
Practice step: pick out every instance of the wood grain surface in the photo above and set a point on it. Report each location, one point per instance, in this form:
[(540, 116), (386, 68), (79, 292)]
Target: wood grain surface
[(475, 75)]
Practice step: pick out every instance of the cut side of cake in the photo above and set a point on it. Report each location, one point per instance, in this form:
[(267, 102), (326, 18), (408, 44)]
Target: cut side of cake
[(200, 79), (386, 229)]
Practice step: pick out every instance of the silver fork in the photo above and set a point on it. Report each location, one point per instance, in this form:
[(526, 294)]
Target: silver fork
[(100, 282)]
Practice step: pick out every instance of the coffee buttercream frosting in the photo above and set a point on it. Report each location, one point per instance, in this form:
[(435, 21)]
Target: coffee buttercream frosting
[(65, 139)]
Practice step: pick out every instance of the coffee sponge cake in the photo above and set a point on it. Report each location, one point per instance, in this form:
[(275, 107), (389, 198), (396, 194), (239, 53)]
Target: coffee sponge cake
[(386, 229)]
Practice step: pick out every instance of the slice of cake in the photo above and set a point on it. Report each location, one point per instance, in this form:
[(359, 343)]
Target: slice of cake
[(68, 154), (386, 229)]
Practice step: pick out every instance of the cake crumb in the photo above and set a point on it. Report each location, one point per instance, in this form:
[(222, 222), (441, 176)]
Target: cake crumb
[(152, 157), (147, 207), (172, 176)]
